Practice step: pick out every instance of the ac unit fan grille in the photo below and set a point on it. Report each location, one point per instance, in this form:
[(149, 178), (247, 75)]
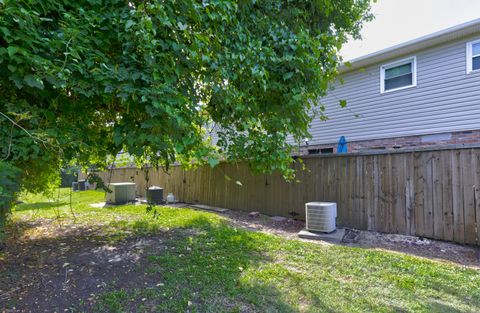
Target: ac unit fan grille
[(321, 216)]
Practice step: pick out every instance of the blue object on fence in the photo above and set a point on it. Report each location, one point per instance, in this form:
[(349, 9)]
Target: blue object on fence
[(342, 145)]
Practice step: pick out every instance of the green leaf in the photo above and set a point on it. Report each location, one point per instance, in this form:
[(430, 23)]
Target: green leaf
[(12, 50), (213, 162), (287, 76), (129, 24), (33, 81), (343, 103), (5, 30), (182, 26)]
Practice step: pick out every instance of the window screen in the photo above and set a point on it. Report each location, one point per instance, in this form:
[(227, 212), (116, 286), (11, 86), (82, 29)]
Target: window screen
[(476, 56), (398, 76)]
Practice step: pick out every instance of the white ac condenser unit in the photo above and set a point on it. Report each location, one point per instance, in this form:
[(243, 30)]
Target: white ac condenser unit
[(321, 216), (121, 193)]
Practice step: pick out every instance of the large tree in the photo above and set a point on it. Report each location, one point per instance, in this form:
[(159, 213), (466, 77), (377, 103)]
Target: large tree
[(84, 79)]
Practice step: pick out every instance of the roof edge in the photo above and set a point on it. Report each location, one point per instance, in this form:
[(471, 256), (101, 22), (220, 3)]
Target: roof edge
[(442, 36)]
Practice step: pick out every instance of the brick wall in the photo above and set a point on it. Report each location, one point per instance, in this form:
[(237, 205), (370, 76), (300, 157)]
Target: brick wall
[(456, 138)]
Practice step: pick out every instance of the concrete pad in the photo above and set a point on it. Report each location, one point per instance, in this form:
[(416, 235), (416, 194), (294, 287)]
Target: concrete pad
[(178, 205), (175, 204), (99, 205), (209, 208), (334, 237)]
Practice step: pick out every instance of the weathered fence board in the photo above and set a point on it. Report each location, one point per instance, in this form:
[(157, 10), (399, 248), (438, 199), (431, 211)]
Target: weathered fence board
[(476, 170), (447, 200), (457, 195), (434, 193)]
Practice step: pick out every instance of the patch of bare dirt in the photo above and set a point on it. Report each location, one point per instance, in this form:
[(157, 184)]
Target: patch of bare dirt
[(465, 255), (433, 249), (49, 274), (285, 227)]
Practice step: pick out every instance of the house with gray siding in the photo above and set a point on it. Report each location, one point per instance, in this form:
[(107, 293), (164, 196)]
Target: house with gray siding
[(425, 92)]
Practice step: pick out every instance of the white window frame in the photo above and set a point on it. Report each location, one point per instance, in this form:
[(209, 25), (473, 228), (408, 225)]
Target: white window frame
[(412, 59), (470, 56)]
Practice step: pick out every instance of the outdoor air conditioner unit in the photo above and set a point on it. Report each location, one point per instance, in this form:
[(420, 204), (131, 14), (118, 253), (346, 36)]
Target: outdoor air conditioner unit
[(121, 193), (321, 216)]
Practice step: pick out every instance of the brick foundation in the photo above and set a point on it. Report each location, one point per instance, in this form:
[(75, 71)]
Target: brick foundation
[(455, 138)]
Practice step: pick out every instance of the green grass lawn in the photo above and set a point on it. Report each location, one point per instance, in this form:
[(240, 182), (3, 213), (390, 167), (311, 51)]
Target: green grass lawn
[(207, 265)]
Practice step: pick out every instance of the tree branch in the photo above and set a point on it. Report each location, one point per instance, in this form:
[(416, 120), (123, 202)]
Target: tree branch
[(35, 139)]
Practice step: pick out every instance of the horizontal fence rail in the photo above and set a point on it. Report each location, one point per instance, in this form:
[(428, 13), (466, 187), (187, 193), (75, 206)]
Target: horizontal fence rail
[(433, 194)]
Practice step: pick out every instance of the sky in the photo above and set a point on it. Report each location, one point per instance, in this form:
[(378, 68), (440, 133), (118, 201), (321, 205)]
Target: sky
[(397, 21)]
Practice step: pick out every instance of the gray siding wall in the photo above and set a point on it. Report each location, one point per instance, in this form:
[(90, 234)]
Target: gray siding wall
[(445, 99)]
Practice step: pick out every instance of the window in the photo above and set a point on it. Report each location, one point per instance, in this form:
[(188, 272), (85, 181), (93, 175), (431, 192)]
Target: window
[(320, 151), (398, 75), (473, 56)]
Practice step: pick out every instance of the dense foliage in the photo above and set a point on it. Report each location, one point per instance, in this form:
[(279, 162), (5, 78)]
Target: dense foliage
[(84, 79)]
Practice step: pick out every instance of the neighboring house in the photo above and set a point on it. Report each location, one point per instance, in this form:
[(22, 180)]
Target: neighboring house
[(420, 93)]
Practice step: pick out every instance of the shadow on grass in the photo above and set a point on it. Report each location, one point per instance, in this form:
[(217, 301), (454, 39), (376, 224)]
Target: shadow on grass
[(215, 268), (201, 269), (438, 306), (38, 206), (196, 267), (204, 264), (434, 306)]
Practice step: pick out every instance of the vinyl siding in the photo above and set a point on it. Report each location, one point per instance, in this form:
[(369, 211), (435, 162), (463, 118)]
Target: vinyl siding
[(446, 99)]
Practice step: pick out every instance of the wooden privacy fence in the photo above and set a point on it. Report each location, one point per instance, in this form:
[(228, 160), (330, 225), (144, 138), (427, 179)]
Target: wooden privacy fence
[(432, 193)]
